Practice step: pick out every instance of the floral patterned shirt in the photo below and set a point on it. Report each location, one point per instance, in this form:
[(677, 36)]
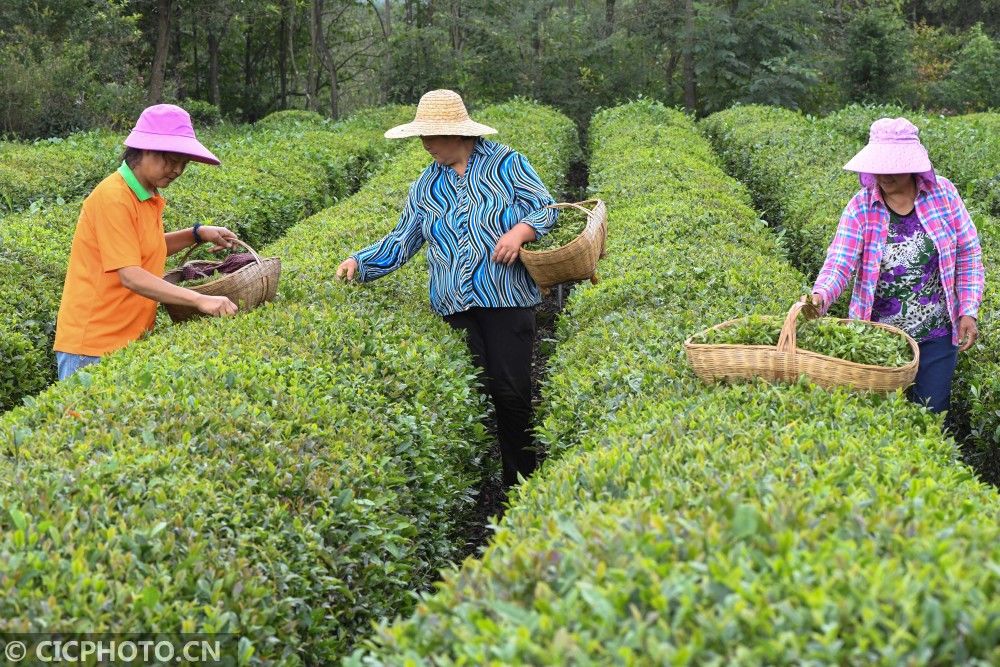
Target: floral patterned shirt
[(909, 294)]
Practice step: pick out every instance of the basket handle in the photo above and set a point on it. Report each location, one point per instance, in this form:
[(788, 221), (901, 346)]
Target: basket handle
[(787, 338), (577, 205), (251, 250)]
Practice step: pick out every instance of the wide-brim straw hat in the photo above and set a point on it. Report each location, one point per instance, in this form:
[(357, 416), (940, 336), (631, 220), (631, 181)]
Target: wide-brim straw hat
[(893, 148), (440, 112), (168, 128)]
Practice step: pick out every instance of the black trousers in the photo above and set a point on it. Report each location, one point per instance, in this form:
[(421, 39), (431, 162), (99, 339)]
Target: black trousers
[(502, 344)]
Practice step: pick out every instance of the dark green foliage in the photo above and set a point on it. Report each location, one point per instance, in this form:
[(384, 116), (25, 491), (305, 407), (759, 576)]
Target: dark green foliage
[(69, 65), (293, 118), (971, 84), (81, 64), (203, 114), (877, 66)]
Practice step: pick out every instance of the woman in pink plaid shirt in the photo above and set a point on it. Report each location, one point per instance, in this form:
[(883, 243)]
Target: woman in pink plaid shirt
[(909, 238)]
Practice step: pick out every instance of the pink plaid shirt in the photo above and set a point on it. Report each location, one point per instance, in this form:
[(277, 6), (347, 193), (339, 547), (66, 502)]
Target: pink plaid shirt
[(861, 238)]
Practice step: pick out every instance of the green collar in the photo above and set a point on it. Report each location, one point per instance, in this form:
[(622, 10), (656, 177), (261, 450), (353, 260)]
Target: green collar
[(140, 192)]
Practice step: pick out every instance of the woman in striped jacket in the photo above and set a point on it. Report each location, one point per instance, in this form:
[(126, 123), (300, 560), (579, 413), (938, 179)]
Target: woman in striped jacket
[(474, 206), (916, 252)]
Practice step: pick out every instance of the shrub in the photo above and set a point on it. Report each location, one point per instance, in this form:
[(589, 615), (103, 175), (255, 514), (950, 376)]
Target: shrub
[(966, 149), (676, 523), (293, 118), (54, 169), (970, 85), (288, 475), (794, 171), (856, 120), (203, 114)]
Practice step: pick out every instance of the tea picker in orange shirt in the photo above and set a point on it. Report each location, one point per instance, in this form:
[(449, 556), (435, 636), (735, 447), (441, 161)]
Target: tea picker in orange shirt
[(114, 280)]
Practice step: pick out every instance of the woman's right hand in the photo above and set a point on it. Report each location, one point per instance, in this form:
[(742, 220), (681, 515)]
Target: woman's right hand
[(347, 269), (216, 306), (817, 300)]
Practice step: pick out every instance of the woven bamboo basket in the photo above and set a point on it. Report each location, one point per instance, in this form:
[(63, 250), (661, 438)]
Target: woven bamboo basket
[(785, 362), (577, 260), (247, 287)]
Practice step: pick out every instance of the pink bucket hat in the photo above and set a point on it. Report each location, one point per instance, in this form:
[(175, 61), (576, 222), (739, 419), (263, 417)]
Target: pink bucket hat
[(893, 148), (167, 127)]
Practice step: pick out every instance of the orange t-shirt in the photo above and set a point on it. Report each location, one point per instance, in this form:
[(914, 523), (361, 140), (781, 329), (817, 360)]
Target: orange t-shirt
[(120, 225)]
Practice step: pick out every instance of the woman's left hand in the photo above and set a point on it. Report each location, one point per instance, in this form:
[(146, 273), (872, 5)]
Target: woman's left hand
[(968, 332), (508, 248), (220, 236)]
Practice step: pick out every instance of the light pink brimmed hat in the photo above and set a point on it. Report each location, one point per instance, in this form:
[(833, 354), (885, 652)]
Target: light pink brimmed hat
[(167, 127), (440, 112), (893, 148)]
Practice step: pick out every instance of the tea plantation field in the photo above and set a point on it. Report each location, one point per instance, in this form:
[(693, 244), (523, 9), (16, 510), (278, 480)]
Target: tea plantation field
[(304, 475)]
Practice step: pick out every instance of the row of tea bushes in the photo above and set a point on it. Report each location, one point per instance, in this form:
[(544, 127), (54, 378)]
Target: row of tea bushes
[(793, 169), (269, 180), (289, 475), (793, 165), (54, 169), (680, 524), (51, 171)]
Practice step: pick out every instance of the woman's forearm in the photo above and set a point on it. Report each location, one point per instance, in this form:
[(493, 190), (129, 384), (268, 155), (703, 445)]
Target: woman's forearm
[(142, 282), (179, 240)]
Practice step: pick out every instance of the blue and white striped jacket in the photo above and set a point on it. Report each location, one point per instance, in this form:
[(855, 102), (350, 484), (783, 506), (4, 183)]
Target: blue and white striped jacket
[(462, 218)]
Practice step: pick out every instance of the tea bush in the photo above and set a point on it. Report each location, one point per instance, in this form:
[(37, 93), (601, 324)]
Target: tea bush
[(293, 118), (54, 169), (676, 523), (793, 168), (288, 475), (269, 180), (967, 150)]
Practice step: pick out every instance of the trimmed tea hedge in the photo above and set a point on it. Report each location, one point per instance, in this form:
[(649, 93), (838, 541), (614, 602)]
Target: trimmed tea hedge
[(688, 525), (289, 475), (54, 169), (794, 168), (269, 180), (293, 118)]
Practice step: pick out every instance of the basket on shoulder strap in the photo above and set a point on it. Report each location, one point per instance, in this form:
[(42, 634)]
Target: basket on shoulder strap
[(247, 287), (785, 362), (577, 260)]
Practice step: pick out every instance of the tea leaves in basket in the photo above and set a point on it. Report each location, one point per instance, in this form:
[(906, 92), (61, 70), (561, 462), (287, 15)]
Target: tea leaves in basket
[(570, 224), (850, 341)]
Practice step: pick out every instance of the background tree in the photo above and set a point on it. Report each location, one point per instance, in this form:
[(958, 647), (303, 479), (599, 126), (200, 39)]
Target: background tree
[(71, 64)]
